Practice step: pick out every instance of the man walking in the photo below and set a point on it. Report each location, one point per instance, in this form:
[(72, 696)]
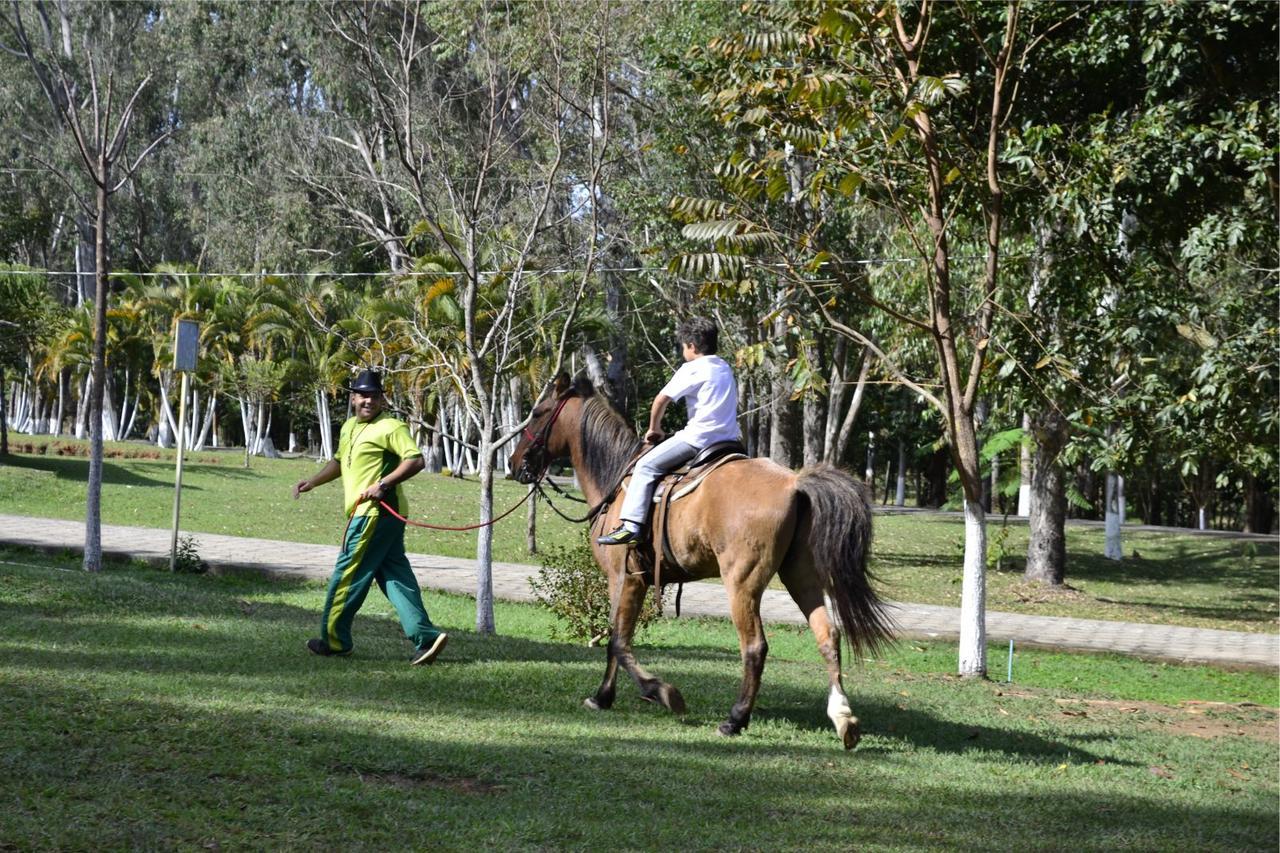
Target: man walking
[(375, 455)]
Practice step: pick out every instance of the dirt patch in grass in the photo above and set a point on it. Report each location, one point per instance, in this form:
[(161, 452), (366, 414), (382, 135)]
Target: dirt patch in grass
[(1206, 720), (1031, 592), (81, 450)]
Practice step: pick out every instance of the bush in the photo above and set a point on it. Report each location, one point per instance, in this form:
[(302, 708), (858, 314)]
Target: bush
[(187, 559), (576, 591)]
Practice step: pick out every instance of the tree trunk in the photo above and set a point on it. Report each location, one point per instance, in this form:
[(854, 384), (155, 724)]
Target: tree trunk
[(62, 402), (869, 476), (781, 446), (93, 499), (973, 596), (531, 525), (1257, 506), (1114, 516), (86, 271), (836, 388), (851, 415), (1024, 468), (4, 421), (813, 421), (82, 406), (1047, 545), (207, 427), (900, 498), (484, 540)]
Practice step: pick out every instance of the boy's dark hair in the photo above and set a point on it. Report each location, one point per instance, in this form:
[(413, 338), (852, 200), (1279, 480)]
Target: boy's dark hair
[(700, 332)]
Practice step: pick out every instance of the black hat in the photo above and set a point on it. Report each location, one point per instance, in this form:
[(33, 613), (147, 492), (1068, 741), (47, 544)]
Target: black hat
[(367, 381)]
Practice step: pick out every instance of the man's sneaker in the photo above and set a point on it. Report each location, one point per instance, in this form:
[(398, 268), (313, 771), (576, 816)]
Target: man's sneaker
[(318, 646), (621, 536), (427, 654)]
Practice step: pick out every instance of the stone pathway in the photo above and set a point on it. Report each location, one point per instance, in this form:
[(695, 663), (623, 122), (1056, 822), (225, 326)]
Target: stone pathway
[(511, 582)]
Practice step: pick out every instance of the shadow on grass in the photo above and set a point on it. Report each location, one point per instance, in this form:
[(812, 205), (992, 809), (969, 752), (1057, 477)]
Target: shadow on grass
[(258, 778), (77, 469), (200, 646), (1220, 563)]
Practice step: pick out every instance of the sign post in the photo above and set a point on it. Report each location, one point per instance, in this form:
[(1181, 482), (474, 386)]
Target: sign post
[(186, 346)]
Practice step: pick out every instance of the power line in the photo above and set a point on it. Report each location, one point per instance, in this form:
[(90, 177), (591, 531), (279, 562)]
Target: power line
[(443, 273)]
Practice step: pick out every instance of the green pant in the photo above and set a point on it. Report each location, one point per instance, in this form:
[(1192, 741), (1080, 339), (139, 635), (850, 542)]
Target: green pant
[(373, 550)]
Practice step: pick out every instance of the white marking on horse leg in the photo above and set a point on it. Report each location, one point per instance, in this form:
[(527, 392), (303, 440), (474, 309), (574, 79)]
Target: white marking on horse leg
[(841, 715)]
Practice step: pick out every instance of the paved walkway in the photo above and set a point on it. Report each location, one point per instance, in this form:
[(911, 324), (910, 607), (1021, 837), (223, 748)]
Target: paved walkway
[(511, 582)]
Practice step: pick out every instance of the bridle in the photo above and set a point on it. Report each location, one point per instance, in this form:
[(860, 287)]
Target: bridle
[(538, 445)]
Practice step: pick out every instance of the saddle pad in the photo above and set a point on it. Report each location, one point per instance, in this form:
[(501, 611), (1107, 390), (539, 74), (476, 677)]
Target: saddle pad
[(684, 487)]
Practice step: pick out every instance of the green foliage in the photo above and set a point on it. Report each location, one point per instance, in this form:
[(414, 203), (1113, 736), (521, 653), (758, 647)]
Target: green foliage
[(187, 559), (29, 316), (575, 590)]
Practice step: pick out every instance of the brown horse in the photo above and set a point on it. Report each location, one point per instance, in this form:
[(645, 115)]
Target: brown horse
[(749, 520)]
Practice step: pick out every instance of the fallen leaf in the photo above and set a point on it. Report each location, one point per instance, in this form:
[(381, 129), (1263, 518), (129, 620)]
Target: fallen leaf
[(1002, 710), (1237, 774), (1076, 713), (1162, 772)]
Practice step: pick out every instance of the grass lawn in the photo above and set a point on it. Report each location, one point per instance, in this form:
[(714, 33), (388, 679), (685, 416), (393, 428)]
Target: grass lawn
[(1183, 579), (149, 710)]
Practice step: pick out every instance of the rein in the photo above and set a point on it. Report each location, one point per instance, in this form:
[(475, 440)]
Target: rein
[(536, 441), (423, 524), (591, 513)]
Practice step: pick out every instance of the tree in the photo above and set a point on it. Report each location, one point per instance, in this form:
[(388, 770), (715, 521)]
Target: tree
[(27, 315), (100, 137), (1170, 141), (904, 109), (483, 130)]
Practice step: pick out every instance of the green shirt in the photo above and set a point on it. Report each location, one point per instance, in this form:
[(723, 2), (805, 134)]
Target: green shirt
[(368, 452)]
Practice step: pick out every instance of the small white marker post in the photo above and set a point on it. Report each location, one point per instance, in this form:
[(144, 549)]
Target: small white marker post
[(186, 345)]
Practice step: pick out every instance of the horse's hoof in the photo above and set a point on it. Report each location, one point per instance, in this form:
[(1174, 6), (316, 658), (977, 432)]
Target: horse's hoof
[(849, 730), (591, 704), (671, 699), (728, 729)]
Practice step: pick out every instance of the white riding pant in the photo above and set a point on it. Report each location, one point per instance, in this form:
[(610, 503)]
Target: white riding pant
[(668, 456)]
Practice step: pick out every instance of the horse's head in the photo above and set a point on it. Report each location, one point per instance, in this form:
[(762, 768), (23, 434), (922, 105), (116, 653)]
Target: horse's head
[(546, 438)]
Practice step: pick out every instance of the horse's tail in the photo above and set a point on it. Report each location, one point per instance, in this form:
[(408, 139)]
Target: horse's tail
[(839, 534)]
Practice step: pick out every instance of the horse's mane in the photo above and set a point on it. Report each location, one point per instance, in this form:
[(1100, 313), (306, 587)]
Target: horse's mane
[(608, 442)]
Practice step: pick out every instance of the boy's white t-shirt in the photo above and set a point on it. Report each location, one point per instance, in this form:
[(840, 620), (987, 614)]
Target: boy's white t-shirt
[(710, 392)]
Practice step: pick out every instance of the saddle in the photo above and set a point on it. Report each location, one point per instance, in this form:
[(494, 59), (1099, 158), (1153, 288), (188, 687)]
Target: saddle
[(653, 558)]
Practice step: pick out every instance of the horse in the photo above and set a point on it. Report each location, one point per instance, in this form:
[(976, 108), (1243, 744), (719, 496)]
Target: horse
[(749, 520)]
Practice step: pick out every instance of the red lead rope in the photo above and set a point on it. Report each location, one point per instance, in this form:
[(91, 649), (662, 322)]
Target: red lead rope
[(442, 527)]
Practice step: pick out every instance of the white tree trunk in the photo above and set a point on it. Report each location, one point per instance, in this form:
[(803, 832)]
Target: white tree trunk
[(167, 434), (110, 424), (124, 407), (322, 418), (1114, 516), (207, 426), (82, 406), (247, 424), (973, 599), (1024, 469), (19, 403), (851, 416), (871, 463), (62, 403), (484, 544), (127, 430)]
